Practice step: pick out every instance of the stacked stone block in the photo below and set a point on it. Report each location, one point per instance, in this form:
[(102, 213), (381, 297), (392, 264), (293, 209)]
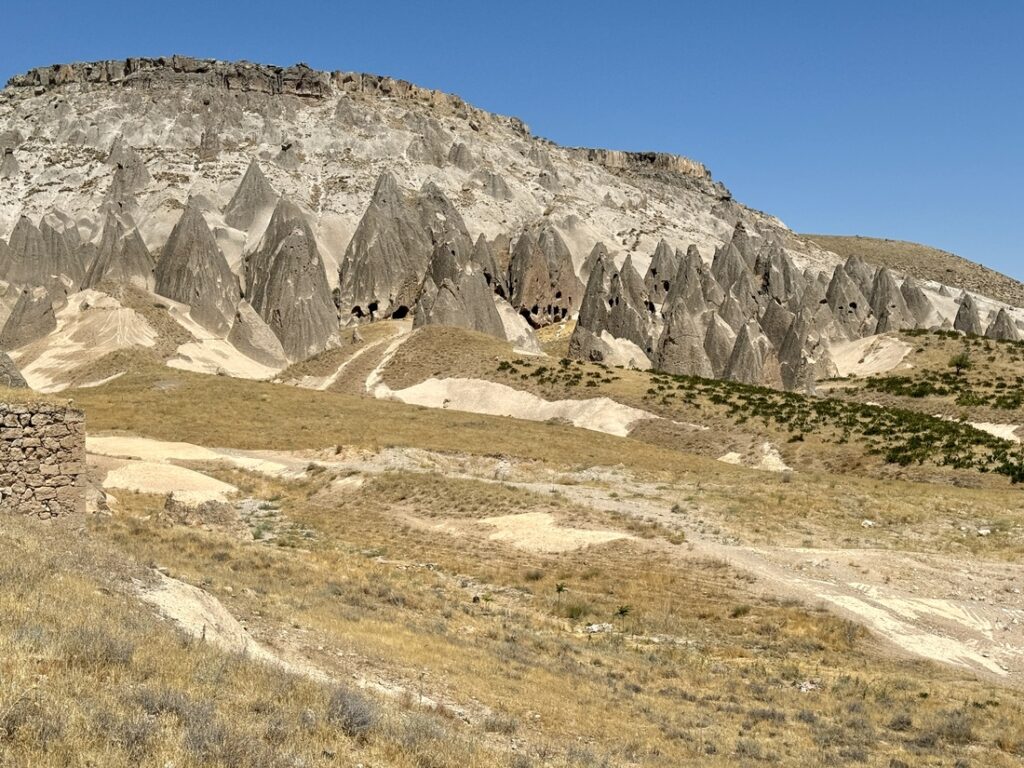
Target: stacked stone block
[(42, 460)]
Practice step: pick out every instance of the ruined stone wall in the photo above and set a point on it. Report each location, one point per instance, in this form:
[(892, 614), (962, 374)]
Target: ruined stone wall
[(42, 460)]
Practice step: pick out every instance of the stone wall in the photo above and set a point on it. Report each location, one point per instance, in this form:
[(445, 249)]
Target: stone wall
[(42, 460)]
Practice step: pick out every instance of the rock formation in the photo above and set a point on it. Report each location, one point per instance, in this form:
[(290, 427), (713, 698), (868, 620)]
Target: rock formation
[(31, 319), (251, 336), (254, 194), (121, 258), (287, 284), (193, 271), (1003, 328), (967, 318), (456, 293), (10, 376), (382, 270)]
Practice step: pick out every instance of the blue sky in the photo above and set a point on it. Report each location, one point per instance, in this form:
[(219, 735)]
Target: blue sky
[(892, 119)]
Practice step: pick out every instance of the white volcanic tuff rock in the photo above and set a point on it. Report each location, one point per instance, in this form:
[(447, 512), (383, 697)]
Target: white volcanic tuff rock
[(251, 336), (130, 173), (10, 376), (888, 304), (383, 268), (585, 342), (193, 271), (662, 270), (31, 319), (746, 363), (121, 257), (484, 258), (463, 301), (630, 314), (253, 195), (32, 259), (287, 284), (919, 305), (719, 343), (1003, 328), (804, 356), (681, 345), (968, 320), (849, 305)]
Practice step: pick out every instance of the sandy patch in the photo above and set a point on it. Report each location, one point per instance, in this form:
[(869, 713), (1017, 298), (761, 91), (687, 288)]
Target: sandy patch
[(768, 459), (873, 354), (517, 330), (625, 353), (599, 414), (127, 447), (1004, 431), (211, 354), (538, 532), (90, 326), (186, 485)]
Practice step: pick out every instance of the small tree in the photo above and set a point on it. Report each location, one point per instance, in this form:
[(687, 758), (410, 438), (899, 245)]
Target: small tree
[(961, 362)]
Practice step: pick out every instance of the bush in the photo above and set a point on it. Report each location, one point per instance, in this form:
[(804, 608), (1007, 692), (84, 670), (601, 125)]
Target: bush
[(355, 714)]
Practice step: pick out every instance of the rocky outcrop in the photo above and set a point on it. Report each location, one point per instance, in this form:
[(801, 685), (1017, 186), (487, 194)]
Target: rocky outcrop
[(121, 258), (384, 265), (1003, 328), (888, 304), (457, 294), (251, 336), (919, 305), (968, 320), (644, 162), (719, 342), (746, 363), (192, 270), (10, 376), (31, 319), (287, 284), (660, 273), (851, 309), (681, 346), (542, 281), (254, 194)]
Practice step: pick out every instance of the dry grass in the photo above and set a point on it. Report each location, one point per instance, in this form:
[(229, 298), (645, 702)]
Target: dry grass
[(698, 669), (924, 262)]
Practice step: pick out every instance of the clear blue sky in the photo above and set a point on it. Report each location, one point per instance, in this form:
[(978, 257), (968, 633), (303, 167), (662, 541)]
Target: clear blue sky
[(894, 119)]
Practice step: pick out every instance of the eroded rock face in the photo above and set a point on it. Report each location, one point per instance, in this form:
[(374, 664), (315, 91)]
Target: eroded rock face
[(681, 346), (543, 284), (193, 271), (288, 284), (888, 304), (1003, 328), (967, 318), (10, 376), (31, 319), (662, 270), (121, 258), (251, 336), (254, 194), (383, 268)]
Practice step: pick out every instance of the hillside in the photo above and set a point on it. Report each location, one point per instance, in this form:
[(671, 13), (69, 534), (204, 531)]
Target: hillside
[(926, 263)]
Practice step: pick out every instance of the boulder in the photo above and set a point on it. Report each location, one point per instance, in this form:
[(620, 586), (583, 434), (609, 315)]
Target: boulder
[(288, 285), (192, 270)]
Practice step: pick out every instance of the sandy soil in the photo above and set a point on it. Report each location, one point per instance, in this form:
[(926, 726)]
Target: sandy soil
[(540, 532), (768, 459), (872, 354), (186, 485), (91, 325), (600, 414)]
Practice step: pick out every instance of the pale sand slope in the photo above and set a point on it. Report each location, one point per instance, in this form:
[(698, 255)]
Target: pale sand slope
[(599, 414), (873, 354), (128, 447), (211, 354), (91, 325), (538, 532), (186, 485), (1004, 431)]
